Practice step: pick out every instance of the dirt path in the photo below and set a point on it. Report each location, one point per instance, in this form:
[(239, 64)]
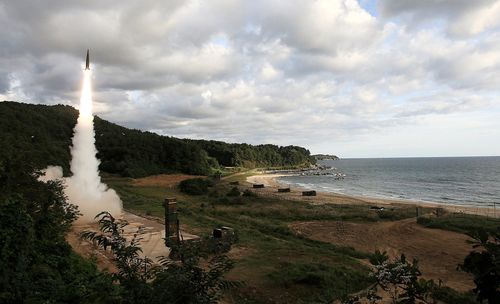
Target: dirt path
[(438, 251)]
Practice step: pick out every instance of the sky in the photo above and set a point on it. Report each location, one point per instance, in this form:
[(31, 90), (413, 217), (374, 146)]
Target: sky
[(367, 78)]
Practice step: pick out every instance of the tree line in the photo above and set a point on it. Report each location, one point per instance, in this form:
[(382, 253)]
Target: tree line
[(43, 133)]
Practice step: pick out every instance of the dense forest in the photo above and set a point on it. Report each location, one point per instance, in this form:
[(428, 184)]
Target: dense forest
[(44, 134), (248, 156)]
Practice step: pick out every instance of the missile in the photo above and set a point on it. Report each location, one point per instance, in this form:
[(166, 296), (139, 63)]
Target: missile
[(87, 61)]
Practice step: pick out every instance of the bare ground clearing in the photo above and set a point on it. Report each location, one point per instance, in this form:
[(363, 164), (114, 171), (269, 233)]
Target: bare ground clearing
[(162, 180), (438, 251)]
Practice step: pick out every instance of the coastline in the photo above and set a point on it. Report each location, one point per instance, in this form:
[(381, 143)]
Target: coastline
[(271, 183)]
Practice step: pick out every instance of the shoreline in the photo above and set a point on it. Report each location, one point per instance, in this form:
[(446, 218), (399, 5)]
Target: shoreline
[(271, 183)]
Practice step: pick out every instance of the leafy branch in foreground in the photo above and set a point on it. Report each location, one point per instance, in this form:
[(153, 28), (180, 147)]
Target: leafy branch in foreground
[(182, 280), (484, 265), (399, 278), (127, 254)]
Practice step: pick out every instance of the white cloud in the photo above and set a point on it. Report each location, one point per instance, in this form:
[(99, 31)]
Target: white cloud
[(268, 72), (461, 18), (315, 73)]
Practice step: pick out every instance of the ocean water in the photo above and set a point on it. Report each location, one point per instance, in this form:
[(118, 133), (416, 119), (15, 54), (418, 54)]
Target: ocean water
[(471, 181)]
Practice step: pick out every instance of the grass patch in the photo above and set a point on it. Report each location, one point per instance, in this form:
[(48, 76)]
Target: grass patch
[(463, 223), (451, 296), (319, 282), (234, 192)]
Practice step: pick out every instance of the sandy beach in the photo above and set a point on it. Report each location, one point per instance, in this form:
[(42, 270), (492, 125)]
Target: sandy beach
[(271, 183)]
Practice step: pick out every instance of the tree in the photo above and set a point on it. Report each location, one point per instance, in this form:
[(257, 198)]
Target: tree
[(400, 279), (38, 265), (484, 265)]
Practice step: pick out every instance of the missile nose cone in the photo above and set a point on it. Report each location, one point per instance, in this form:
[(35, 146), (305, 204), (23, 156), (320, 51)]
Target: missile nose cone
[(87, 61)]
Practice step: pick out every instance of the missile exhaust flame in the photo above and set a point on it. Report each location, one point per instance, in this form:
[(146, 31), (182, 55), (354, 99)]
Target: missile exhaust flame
[(85, 188)]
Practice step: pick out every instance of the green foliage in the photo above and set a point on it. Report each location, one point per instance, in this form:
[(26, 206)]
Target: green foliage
[(333, 281), (131, 267), (44, 134), (459, 222), (378, 257), (234, 192), (195, 186), (249, 193), (325, 157), (448, 295), (484, 265), (183, 281), (399, 279), (135, 153), (248, 156), (41, 133), (37, 264)]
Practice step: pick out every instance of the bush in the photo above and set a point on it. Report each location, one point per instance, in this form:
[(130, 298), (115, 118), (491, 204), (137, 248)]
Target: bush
[(224, 201), (483, 263), (424, 221), (323, 282), (214, 193), (448, 295), (462, 223), (249, 193), (195, 186), (234, 192), (402, 283)]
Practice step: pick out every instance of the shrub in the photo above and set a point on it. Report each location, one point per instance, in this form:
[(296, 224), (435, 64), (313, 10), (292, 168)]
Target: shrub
[(234, 192), (424, 221), (323, 282), (401, 283), (223, 200), (249, 193), (448, 295), (195, 186), (214, 193), (483, 263)]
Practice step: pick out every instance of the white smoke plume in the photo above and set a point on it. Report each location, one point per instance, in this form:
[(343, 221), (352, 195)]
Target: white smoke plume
[(51, 173), (84, 188)]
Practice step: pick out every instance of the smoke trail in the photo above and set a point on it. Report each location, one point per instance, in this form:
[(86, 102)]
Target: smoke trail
[(85, 188)]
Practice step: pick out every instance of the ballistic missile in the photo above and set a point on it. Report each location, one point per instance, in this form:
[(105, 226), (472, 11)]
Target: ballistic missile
[(87, 62)]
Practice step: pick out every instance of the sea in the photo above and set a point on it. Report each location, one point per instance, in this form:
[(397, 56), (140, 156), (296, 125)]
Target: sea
[(463, 181)]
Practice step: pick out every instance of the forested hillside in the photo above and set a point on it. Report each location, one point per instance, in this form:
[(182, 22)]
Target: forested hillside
[(245, 155), (42, 134)]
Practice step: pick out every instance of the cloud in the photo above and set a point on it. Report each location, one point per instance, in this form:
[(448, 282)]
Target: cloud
[(461, 17), (281, 71)]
